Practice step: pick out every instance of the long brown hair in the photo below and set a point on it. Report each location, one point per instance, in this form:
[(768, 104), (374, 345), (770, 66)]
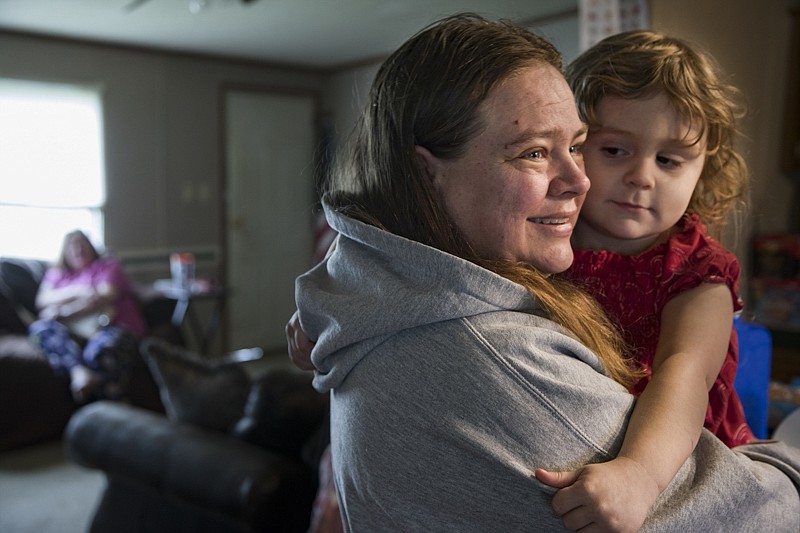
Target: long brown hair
[(62, 262), (641, 64), (427, 93)]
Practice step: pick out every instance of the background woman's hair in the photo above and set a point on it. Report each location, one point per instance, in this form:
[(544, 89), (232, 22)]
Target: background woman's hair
[(62, 262), (641, 64), (428, 93)]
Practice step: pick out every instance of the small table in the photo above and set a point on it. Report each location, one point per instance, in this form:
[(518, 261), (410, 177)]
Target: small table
[(203, 333)]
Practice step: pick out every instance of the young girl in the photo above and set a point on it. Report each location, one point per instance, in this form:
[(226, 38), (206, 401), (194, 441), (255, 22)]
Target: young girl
[(660, 156)]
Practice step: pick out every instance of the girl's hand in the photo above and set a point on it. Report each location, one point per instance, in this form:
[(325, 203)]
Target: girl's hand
[(613, 496), (299, 344)]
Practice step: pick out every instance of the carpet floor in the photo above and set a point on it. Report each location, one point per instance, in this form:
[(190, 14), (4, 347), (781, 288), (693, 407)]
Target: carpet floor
[(42, 491)]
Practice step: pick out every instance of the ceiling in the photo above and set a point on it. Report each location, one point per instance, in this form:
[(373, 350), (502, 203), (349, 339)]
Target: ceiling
[(325, 34)]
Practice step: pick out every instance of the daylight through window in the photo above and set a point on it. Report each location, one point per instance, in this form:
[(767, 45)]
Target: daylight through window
[(52, 169)]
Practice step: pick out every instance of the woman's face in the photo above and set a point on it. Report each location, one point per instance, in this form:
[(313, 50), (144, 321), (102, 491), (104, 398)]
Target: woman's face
[(78, 253), (517, 190)]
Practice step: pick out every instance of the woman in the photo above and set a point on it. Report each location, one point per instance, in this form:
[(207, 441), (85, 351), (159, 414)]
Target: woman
[(457, 365), (88, 320)]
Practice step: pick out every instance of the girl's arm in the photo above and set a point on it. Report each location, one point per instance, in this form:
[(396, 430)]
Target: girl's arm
[(299, 344), (666, 422), (297, 341)]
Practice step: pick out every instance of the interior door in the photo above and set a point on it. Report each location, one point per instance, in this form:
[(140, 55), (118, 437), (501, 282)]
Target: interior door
[(269, 143)]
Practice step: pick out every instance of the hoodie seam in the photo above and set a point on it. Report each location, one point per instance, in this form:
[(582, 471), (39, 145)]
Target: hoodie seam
[(532, 389)]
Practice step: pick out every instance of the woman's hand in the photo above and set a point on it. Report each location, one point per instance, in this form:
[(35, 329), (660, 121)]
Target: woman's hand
[(300, 345), (51, 312), (613, 496)]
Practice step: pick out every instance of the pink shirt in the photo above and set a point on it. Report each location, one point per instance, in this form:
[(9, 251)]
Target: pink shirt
[(108, 270)]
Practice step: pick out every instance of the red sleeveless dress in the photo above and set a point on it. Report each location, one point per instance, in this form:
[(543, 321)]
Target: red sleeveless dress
[(633, 290)]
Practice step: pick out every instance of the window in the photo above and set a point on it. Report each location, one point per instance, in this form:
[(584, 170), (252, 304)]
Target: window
[(52, 169)]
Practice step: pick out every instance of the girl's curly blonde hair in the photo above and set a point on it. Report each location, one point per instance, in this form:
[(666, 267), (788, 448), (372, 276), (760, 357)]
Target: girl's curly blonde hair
[(641, 64)]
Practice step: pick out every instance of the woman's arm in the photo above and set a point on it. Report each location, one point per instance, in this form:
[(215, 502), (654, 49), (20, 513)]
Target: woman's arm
[(74, 300), (666, 422), (48, 295)]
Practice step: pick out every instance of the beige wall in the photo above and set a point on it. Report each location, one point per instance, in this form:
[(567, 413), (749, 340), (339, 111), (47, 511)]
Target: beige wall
[(750, 40), (162, 124), (163, 117)]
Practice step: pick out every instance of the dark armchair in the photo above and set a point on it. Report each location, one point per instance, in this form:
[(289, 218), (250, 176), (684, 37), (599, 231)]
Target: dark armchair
[(237, 449), (165, 477)]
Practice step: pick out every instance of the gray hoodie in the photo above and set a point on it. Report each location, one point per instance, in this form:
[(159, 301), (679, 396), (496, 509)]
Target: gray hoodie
[(448, 389)]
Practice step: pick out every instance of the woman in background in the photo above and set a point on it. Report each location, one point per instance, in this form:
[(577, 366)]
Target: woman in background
[(89, 320)]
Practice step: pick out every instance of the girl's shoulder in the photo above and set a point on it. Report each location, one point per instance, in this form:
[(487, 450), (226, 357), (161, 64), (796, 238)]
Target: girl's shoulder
[(692, 246), (693, 258)]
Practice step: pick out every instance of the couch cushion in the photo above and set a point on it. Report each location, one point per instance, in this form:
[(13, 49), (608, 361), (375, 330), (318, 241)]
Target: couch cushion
[(19, 283), (196, 389), (283, 411), (276, 408), (10, 321), (34, 403), (20, 279)]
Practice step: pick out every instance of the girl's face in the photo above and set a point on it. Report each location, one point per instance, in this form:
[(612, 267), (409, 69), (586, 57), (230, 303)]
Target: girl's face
[(643, 166), (517, 190)]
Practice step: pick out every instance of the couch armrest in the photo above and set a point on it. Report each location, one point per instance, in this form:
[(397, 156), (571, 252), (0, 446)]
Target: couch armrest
[(202, 467)]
